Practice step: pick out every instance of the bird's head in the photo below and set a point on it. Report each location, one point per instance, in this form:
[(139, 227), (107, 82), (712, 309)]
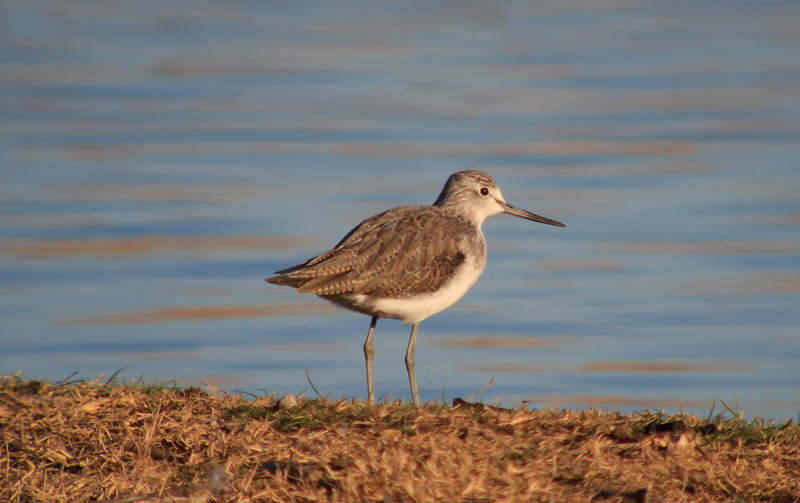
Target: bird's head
[(476, 196)]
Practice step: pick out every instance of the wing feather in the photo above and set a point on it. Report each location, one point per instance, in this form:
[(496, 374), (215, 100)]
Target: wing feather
[(401, 251)]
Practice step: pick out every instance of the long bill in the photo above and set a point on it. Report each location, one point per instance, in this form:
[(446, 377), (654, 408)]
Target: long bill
[(527, 215)]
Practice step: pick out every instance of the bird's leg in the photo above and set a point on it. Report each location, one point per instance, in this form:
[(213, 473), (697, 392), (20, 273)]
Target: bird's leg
[(369, 351), (412, 376)]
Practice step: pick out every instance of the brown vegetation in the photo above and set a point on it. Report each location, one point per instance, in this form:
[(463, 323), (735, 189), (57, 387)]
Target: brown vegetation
[(83, 442)]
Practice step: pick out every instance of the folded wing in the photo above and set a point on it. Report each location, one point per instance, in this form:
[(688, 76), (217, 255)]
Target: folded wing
[(396, 254)]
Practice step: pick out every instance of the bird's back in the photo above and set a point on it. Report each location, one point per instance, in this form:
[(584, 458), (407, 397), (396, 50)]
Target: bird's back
[(400, 253)]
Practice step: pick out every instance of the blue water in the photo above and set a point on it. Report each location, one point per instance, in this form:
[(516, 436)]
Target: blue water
[(160, 159)]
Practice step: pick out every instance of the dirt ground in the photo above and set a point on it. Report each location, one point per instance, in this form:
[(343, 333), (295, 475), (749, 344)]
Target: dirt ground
[(81, 442)]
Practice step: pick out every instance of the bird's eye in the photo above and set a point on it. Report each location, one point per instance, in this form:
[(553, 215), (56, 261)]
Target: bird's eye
[(484, 191)]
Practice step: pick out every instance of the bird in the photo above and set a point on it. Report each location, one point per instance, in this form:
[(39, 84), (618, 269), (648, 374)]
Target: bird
[(410, 262)]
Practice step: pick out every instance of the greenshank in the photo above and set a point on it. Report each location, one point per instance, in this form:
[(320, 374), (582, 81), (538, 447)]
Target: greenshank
[(410, 262)]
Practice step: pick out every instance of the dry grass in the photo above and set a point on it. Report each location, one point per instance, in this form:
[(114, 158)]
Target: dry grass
[(86, 442)]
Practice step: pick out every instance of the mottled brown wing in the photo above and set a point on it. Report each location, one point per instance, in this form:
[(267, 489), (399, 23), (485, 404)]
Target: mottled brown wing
[(297, 275), (394, 254)]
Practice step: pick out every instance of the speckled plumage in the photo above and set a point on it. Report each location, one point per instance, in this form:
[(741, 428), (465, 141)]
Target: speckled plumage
[(409, 262), (399, 254)]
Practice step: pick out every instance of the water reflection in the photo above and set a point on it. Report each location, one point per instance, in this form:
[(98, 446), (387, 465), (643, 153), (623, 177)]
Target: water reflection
[(199, 313), (159, 163), (500, 341), (59, 249)]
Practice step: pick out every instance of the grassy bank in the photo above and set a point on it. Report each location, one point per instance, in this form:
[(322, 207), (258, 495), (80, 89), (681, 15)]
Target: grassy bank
[(87, 442)]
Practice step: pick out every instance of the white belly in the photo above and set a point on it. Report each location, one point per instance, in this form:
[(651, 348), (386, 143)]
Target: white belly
[(415, 309)]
